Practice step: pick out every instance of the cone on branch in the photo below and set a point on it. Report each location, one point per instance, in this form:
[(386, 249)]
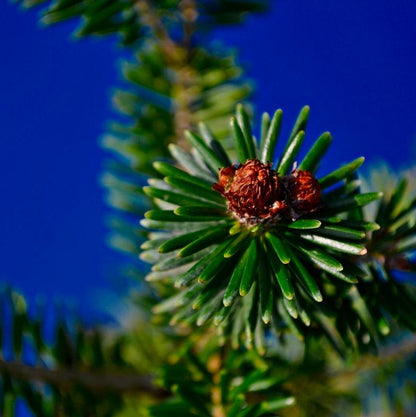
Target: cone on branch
[(254, 238)]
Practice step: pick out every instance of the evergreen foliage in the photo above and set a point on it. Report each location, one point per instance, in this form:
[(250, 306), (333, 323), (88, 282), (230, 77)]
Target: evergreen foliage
[(283, 269), (279, 308)]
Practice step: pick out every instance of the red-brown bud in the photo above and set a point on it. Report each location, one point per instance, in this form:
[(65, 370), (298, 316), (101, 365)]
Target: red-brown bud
[(303, 191), (253, 191), (226, 176)]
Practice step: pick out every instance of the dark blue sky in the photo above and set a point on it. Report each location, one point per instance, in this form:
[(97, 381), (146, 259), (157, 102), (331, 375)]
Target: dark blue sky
[(353, 62)]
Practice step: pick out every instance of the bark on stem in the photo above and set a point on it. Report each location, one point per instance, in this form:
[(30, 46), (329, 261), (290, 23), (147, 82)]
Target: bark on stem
[(214, 366), (94, 381), (177, 56)]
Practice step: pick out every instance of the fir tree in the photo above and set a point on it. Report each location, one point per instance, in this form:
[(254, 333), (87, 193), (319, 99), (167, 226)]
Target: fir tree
[(273, 288)]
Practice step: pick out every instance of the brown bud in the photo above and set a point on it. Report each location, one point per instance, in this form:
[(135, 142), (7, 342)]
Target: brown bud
[(253, 191), (303, 191), (226, 176)]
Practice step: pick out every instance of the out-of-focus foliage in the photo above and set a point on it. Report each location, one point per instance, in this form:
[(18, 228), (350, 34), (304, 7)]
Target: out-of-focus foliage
[(207, 381), (58, 366), (174, 81), (374, 385), (392, 248), (123, 17)]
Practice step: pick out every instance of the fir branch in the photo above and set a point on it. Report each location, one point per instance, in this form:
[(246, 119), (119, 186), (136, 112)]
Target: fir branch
[(389, 354), (176, 56), (276, 217), (215, 365), (174, 85), (94, 381), (327, 388), (299, 268), (189, 13), (149, 17)]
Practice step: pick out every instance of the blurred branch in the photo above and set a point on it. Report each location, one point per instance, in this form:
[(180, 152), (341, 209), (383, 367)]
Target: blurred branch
[(177, 55), (389, 354), (64, 378), (189, 14), (317, 386), (150, 18), (215, 366)]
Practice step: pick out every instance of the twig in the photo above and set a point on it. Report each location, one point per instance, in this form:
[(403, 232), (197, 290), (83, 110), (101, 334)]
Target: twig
[(215, 364), (387, 355), (177, 56), (151, 19), (65, 378), (314, 385)]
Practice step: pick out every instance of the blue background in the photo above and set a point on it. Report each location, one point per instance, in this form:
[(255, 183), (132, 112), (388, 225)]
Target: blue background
[(353, 62)]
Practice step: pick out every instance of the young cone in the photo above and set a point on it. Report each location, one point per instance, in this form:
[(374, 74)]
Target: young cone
[(257, 212)]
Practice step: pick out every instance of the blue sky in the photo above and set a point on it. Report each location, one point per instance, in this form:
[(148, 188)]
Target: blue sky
[(353, 62)]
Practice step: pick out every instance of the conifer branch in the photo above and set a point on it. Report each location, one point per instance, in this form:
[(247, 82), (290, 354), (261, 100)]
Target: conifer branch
[(390, 354), (189, 14), (177, 56), (320, 274), (99, 382), (150, 18), (215, 365), (315, 387)]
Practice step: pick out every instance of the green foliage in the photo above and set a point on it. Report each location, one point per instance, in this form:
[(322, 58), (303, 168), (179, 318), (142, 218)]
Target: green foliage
[(393, 245), (64, 368), (99, 17), (173, 84), (297, 297), (128, 18), (234, 383), (275, 273)]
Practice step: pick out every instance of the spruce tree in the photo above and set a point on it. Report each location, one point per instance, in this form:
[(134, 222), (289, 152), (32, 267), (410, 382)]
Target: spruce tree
[(272, 286)]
